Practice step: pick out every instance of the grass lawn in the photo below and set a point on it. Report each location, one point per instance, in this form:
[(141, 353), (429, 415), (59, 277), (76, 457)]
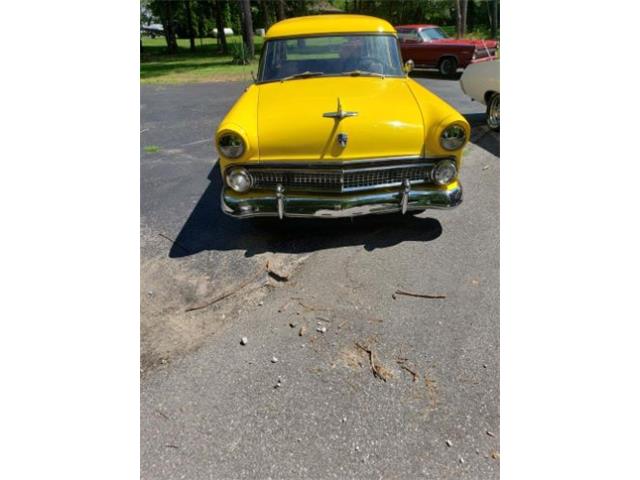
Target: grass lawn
[(206, 64)]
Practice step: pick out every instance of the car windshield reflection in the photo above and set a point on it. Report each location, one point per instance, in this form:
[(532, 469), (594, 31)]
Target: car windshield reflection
[(334, 55), (433, 34)]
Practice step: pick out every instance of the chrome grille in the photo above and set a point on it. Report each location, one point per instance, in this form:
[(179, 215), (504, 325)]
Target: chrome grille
[(343, 178)]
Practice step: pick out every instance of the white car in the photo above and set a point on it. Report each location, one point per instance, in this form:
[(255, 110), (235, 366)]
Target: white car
[(481, 81)]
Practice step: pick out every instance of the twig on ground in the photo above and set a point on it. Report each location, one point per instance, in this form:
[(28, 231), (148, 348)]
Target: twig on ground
[(227, 294), (162, 414), (311, 308), (419, 295), (377, 370), (175, 243), (342, 323), (415, 375)]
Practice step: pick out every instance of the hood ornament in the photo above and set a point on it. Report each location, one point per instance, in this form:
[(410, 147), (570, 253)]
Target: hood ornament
[(343, 138), (339, 114)]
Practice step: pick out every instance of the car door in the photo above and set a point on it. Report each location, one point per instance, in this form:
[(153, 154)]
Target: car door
[(410, 45), (430, 51)]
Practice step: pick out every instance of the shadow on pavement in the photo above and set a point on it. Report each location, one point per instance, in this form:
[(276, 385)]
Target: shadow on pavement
[(483, 136), (207, 228)]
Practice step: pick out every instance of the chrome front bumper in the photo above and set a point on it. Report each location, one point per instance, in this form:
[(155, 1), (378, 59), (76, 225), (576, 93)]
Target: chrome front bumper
[(279, 203)]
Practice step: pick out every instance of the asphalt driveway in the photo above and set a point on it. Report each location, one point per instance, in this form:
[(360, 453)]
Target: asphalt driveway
[(363, 384)]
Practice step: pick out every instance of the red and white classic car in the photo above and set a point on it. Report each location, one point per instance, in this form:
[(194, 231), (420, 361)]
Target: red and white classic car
[(429, 47)]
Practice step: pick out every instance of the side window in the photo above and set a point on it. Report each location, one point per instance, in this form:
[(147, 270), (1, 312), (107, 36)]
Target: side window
[(411, 35), (425, 34)]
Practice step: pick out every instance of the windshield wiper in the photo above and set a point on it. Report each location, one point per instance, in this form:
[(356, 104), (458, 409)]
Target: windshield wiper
[(306, 74), (363, 73)]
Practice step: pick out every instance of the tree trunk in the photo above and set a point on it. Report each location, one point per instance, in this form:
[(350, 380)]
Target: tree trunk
[(458, 19), (222, 38), (494, 19), (200, 16), (167, 26), (247, 28), (472, 15), (266, 19), (281, 14), (463, 17), (301, 8), (192, 39)]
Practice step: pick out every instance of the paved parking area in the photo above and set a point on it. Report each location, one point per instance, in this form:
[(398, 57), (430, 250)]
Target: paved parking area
[(211, 408)]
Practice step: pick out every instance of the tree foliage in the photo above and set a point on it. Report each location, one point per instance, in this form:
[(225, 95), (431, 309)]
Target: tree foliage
[(198, 18)]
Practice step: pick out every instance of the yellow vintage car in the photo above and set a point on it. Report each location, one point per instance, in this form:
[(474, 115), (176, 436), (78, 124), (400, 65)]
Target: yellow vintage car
[(334, 127)]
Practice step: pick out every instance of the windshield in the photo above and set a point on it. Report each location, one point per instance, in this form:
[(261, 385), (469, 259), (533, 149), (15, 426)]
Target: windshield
[(432, 33), (304, 57)]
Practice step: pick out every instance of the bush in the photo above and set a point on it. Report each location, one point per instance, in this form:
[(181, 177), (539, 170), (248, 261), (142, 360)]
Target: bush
[(239, 54)]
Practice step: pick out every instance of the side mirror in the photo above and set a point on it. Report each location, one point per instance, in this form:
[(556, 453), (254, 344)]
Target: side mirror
[(408, 65)]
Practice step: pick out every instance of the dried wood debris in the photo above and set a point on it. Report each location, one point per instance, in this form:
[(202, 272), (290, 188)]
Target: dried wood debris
[(378, 370), (419, 295)]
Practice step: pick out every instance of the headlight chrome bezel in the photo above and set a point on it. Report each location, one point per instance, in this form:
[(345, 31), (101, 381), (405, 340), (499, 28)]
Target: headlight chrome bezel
[(231, 145), (235, 186), (441, 165), (453, 137)]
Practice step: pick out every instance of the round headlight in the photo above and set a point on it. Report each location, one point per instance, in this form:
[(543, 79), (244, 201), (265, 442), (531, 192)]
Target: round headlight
[(453, 137), (444, 172), (231, 145), (239, 180)]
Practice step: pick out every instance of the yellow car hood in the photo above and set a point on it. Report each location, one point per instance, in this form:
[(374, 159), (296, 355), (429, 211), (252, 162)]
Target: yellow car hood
[(291, 125)]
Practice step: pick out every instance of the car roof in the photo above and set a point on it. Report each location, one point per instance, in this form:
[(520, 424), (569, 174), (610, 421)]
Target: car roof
[(335, 23), (417, 25)]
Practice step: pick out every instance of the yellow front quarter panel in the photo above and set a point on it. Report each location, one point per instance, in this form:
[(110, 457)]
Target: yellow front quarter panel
[(437, 115), (242, 119)]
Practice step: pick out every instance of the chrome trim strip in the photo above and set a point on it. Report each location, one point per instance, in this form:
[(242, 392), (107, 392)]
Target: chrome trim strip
[(378, 161)]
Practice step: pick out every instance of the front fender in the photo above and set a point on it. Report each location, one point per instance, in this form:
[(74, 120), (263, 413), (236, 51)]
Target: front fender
[(437, 115), (242, 119)]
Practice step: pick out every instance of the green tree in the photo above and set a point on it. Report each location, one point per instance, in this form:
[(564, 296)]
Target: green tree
[(281, 13), (247, 28), (166, 12), (494, 18), (189, 15), (266, 17), (220, 7)]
